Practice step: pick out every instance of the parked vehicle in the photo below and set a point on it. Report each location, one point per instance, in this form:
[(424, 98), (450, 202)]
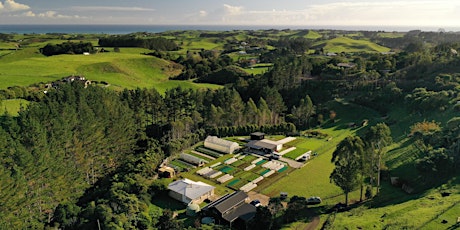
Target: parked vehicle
[(256, 203), (314, 200)]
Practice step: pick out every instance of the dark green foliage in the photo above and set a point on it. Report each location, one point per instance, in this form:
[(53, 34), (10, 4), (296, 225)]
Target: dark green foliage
[(158, 43), (57, 148), (347, 161), (67, 48), (227, 75)]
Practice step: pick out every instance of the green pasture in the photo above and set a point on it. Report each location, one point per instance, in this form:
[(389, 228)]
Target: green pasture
[(12, 106), (127, 69), (426, 212), (346, 44)]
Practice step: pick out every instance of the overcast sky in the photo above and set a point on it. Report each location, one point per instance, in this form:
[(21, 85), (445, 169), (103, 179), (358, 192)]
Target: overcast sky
[(434, 13)]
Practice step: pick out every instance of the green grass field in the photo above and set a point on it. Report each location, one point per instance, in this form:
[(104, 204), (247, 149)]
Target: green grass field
[(127, 69), (346, 44)]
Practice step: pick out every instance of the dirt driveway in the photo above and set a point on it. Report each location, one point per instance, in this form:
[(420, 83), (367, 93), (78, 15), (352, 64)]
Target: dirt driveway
[(257, 196)]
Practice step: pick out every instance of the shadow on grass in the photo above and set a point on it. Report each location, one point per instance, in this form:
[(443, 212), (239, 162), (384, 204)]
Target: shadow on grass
[(165, 202)]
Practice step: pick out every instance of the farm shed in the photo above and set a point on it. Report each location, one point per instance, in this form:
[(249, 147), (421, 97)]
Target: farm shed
[(188, 191), (265, 144), (221, 145), (192, 159), (257, 136), (232, 209)]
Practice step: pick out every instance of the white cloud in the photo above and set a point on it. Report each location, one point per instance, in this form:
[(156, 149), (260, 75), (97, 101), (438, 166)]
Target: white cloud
[(110, 8), (11, 6), (233, 10), (54, 15), (29, 14), (203, 13)]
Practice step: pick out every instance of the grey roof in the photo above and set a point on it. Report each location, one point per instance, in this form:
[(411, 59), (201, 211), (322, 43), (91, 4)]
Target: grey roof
[(244, 212), (229, 201), (260, 144), (257, 134), (189, 188)]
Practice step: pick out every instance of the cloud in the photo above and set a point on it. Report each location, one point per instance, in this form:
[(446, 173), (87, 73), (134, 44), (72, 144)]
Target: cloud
[(347, 12), (11, 6), (110, 8), (233, 10), (29, 14), (203, 13), (54, 15)]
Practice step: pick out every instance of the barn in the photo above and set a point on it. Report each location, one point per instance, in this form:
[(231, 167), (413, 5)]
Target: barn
[(221, 145)]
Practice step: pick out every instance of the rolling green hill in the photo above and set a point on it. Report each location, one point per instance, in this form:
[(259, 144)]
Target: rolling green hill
[(127, 69), (345, 44)]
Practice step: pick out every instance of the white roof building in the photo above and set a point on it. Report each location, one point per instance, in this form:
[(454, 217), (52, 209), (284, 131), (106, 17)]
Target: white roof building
[(188, 191)]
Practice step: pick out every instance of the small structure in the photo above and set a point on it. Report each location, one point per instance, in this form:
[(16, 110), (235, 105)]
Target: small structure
[(257, 136), (232, 209), (221, 145), (167, 172), (188, 191)]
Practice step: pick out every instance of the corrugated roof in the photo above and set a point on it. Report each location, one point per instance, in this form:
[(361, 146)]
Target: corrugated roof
[(262, 144), (229, 201), (189, 188), (244, 212)]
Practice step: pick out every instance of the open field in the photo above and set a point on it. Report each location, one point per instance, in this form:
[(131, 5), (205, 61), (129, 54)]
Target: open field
[(346, 44), (127, 69)]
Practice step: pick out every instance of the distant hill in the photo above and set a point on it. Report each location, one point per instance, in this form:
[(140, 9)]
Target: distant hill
[(346, 44)]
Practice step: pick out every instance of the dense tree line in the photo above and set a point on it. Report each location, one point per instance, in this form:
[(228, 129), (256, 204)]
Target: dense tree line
[(156, 43), (67, 48), (57, 148)]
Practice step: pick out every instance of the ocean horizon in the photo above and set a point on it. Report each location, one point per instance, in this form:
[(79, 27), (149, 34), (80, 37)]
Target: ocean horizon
[(126, 29)]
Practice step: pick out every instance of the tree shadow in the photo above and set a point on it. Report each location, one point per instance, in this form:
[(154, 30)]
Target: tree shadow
[(165, 202)]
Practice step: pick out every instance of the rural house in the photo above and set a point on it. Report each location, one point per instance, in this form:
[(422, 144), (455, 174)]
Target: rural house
[(221, 145), (188, 191)]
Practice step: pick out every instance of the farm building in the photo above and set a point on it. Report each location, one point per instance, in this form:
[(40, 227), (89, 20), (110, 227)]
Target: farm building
[(221, 145), (192, 159), (232, 209), (257, 136), (265, 144), (166, 172), (188, 191)]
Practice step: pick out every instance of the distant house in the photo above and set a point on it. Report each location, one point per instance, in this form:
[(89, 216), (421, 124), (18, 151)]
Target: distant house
[(221, 145), (232, 209), (188, 191)]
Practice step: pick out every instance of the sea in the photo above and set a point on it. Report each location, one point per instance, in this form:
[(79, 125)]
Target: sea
[(126, 29)]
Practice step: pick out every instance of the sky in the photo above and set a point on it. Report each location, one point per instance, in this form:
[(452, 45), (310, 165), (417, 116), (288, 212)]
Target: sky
[(427, 13)]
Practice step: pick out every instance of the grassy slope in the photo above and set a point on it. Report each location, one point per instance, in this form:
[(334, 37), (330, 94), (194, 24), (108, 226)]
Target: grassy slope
[(313, 178), (127, 69), (345, 44), (393, 208)]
